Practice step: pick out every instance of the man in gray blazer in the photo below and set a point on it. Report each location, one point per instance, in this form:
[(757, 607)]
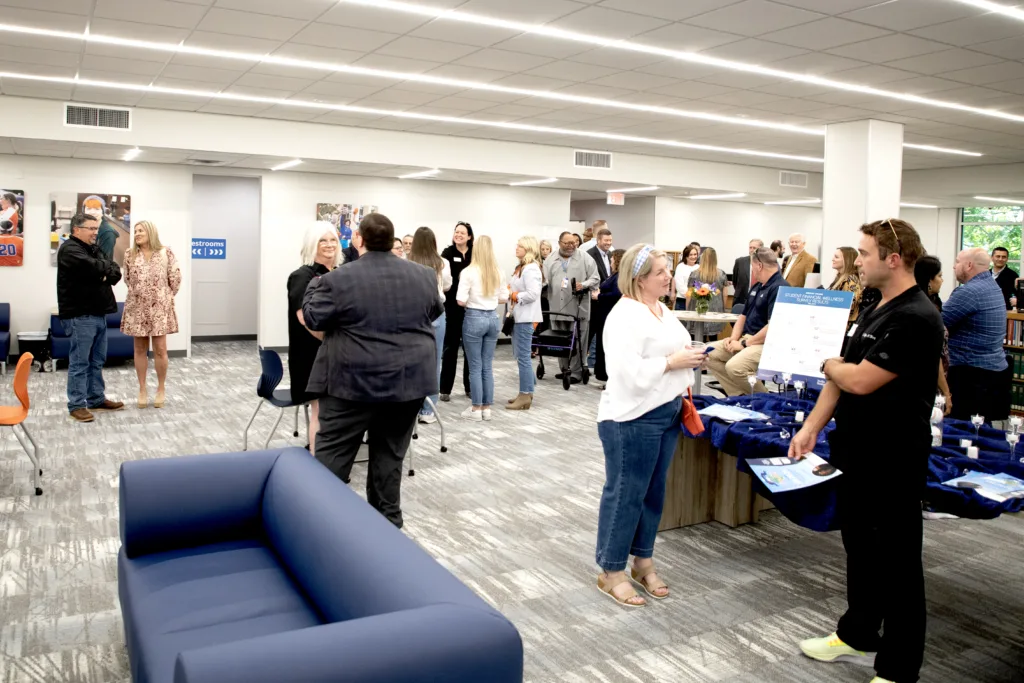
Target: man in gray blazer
[(378, 360), (741, 273)]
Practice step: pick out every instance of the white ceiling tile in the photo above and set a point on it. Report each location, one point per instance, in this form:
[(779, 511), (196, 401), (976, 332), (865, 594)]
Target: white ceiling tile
[(282, 83), (947, 60), (115, 77), (399, 96), (468, 73), (158, 101), (754, 51), (533, 82), (983, 75), (742, 98), (290, 114), (794, 89), (123, 65), (232, 43), (421, 48), (825, 33), (739, 79), (980, 29), (677, 70), (235, 109), (616, 59), (318, 54), (371, 18), (392, 63), (540, 45), (1009, 48), (686, 37), (248, 24), (256, 91), (888, 48), (104, 97), (817, 63), (502, 60), (571, 71), (46, 91), (386, 105), (692, 90), (919, 85), (338, 93), (342, 118), (633, 80), (38, 69), (461, 104), (467, 34), (325, 35), (159, 12), (306, 10), (874, 74), (830, 6), (131, 29), (673, 10), (608, 23), (527, 11), (754, 18), (905, 15), (82, 7), (201, 74), (517, 110), (592, 90), (1016, 86), (9, 53)]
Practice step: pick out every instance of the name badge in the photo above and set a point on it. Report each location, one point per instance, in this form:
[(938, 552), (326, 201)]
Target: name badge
[(565, 283), (853, 328), (457, 259)]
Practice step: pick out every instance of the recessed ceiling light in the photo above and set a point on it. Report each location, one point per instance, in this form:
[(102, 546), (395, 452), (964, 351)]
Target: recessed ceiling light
[(131, 154), (995, 7), (908, 205), (623, 190), (793, 202), (294, 102), (542, 181), (728, 195), (941, 150), (288, 164), (692, 57), (420, 174), (1015, 202)]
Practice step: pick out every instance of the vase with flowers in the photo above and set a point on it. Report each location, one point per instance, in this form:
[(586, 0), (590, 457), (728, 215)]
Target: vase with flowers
[(702, 293)]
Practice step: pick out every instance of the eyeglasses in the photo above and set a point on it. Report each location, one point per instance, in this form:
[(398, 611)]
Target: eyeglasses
[(899, 244), (570, 243)]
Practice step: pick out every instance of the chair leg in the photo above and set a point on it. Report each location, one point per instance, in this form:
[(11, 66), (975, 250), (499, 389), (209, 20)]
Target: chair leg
[(32, 455), (440, 423), (273, 431), (3, 367), (309, 437), (410, 454), (245, 434), (295, 432)]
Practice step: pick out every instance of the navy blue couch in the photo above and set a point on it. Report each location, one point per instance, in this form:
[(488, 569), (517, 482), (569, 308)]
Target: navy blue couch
[(119, 345), (5, 332), (263, 567)]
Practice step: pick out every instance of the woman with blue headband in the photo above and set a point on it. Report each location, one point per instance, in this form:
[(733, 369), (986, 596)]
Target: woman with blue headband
[(650, 366)]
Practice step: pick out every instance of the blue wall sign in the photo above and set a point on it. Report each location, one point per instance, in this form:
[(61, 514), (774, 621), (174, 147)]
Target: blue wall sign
[(209, 249)]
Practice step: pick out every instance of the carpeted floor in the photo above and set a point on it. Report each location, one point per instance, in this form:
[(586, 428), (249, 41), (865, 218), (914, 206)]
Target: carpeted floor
[(511, 509)]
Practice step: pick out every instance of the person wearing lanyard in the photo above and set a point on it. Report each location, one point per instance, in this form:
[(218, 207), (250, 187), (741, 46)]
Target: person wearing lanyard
[(886, 382)]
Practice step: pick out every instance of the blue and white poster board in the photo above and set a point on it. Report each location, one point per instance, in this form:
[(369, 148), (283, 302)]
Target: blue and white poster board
[(807, 326), (209, 248)]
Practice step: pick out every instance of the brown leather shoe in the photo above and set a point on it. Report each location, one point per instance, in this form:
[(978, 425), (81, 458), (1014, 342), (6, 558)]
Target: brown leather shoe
[(108, 405), (82, 415)]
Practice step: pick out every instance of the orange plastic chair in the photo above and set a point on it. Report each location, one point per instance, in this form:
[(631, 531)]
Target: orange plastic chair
[(12, 416)]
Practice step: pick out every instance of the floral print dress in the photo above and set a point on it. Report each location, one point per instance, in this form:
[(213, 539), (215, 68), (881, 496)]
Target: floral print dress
[(152, 285)]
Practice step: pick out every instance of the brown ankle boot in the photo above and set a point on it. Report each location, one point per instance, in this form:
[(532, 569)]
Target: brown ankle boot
[(515, 398), (522, 402)]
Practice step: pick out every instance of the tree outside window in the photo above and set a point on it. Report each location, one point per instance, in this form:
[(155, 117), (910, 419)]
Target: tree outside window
[(994, 226)]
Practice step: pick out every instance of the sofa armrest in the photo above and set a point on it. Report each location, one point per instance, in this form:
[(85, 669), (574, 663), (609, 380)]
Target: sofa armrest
[(172, 503), (440, 643)]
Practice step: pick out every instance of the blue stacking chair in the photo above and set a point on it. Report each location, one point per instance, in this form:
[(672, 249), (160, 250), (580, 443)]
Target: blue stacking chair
[(266, 389)]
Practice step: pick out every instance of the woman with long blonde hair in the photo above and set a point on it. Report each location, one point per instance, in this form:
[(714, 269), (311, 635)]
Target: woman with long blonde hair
[(153, 277), (480, 291), (708, 273), (525, 287), (847, 279)]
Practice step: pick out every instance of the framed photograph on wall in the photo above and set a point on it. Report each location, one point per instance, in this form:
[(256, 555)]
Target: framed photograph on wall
[(12, 227), (345, 217), (113, 211)]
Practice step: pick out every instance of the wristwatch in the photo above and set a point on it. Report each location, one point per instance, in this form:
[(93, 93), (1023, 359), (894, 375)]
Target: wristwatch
[(743, 343), (823, 363)]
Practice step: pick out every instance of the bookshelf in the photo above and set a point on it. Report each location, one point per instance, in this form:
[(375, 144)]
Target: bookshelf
[(1014, 345)]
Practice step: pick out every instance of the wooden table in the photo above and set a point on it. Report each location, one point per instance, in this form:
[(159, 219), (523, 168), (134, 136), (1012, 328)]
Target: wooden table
[(704, 485), (698, 333)]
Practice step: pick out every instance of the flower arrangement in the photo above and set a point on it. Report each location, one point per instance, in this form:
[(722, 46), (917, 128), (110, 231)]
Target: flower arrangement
[(702, 293)]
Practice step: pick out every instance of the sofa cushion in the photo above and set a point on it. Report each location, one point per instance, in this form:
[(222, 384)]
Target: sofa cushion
[(197, 597), (114, 319), (5, 345)]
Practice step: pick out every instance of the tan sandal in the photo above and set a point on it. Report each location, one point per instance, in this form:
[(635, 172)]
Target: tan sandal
[(639, 576), (143, 400), (158, 402), (607, 587)]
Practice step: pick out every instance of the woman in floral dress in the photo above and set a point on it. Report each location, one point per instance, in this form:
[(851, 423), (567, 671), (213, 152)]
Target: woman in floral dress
[(153, 278)]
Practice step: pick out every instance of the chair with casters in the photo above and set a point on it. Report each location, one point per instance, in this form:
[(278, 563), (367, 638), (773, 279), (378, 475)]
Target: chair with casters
[(271, 374), (13, 416)]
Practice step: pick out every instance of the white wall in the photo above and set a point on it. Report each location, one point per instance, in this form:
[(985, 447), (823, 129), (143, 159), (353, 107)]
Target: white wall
[(159, 193), (729, 226), (938, 229), (630, 223), (503, 213)]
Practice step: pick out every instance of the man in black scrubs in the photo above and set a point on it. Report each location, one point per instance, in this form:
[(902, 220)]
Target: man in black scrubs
[(881, 395)]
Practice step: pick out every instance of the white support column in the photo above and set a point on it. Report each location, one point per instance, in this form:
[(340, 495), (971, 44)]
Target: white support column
[(863, 179)]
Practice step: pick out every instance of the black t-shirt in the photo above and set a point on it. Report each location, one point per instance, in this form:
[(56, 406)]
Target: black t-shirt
[(887, 434), (457, 261)]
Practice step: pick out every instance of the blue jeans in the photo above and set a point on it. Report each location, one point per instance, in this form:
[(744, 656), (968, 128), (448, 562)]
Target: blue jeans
[(522, 340), (440, 325), (479, 337), (637, 455), (592, 352), (85, 363)]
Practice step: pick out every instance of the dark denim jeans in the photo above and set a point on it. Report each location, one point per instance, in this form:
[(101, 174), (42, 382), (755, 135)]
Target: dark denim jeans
[(439, 329), (85, 363), (479, 337), (522, 341), (637, 455)]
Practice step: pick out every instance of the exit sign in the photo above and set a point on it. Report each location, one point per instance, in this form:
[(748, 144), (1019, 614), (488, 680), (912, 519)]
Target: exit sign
[(616, 198)]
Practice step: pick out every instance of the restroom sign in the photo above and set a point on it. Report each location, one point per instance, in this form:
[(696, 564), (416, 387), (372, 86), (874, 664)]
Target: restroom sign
[(209, 249)]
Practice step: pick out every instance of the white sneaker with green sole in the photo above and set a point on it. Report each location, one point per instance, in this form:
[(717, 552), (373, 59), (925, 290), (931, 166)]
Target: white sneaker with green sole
[(832, 649)]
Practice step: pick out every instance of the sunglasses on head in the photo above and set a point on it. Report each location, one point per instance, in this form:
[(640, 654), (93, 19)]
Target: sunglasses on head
[(464, 224), (899, 244)]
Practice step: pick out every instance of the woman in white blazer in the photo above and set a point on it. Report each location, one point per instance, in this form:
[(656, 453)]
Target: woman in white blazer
[(524, 292)]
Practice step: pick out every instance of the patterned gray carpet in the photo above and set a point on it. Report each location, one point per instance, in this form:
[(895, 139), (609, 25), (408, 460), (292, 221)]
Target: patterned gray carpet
[(511, 509)]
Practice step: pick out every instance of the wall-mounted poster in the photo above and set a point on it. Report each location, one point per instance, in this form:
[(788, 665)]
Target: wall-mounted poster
[(12, 227), (345, 217), (112, 210)]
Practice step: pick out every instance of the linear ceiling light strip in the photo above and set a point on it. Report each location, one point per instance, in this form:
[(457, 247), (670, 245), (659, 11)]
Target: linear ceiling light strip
[(280, 101)]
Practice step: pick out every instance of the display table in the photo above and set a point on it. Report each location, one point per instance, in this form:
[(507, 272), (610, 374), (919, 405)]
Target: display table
[(699, 321)]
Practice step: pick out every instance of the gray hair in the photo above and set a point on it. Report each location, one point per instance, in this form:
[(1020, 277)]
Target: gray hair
[(311, 242), (758, 241), (766, 257), (799, 237)]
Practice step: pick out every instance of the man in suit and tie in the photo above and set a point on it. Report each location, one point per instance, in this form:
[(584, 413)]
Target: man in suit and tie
[(378, 360), (799, 264), (741, 274), (601, 253)]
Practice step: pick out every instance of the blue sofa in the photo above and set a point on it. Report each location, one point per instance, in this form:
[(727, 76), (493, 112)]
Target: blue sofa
[(263, 567), (119, 345), (5, 333)]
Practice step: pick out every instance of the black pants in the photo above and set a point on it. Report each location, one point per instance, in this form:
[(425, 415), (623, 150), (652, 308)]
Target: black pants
[(882, 534), (450, 352), (979, 392), (390, 425)]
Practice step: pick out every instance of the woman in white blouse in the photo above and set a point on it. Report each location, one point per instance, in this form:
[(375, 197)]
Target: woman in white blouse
[(687, 264), (424, 252), (650, 366), (480, 291), (525, 286)]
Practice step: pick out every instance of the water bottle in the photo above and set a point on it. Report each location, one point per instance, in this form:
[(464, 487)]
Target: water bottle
[(936, 420)]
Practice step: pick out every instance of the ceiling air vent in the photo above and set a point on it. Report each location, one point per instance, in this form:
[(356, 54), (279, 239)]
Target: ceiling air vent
[(205, 162), (792, 179), (588, 159), (97, 117)]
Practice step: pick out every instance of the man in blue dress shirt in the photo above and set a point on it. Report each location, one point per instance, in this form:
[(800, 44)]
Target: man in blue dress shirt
[(975, 316)]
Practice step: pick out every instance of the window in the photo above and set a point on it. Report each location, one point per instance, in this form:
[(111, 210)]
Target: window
[(993, 226)]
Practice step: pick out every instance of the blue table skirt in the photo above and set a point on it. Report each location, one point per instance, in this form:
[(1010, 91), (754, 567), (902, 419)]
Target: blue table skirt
[(815, 507)]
